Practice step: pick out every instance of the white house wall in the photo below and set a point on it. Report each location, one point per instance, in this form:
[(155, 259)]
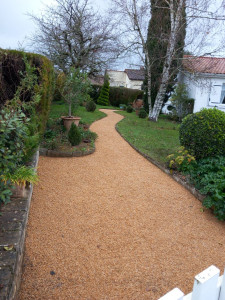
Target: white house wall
[(120, 79), (117, 78), (206, 90)]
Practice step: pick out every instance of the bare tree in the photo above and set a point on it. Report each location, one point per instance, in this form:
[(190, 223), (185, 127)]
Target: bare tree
[(133, 17), (73, 34)]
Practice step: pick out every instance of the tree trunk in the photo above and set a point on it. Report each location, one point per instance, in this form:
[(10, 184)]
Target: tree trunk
[(176, 17)]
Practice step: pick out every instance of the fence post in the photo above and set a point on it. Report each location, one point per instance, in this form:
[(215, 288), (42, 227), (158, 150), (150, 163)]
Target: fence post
[(222, 291), (205, 285), (175, 294)]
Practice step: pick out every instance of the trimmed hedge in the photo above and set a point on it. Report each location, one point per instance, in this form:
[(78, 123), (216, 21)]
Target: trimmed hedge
[(203, 133), (121, 95), (12, 66)]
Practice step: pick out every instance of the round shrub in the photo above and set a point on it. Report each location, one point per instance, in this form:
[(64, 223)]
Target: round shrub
[(129, 109), (142, 113), (74, 135), (203, 133), (90, 106)]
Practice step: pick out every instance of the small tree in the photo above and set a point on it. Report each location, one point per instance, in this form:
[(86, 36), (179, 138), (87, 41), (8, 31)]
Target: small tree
[(74, 135), (181, 101), (104, 94), (75, 88)]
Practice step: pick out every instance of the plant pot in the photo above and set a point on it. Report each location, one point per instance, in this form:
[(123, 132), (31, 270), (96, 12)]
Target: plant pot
[(68, 121)]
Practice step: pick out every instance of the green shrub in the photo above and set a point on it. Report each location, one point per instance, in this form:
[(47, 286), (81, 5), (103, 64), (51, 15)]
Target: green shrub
[(74, 135), (203, 133), (13, 131), (104, 93), (129, 109), (209, 177), (90, 106), (142, 113), (122, 95)]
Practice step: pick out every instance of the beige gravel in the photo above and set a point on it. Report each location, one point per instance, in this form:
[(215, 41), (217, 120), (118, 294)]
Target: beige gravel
[(113, 226)]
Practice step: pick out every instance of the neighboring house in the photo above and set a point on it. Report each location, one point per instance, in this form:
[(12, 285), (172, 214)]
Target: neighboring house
[(205, 81), (129, 78)]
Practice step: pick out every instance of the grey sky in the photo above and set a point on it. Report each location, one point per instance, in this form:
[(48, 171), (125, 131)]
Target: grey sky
[(16, 26)]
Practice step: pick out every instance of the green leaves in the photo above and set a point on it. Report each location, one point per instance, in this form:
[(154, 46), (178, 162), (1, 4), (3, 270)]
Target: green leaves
[(209, 178)]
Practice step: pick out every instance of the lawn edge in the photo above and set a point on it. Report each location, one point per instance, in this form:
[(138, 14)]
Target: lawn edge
[(186, 185)]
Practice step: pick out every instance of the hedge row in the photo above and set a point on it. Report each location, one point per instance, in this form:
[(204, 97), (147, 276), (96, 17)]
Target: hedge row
[(12, 66), (121, 95)]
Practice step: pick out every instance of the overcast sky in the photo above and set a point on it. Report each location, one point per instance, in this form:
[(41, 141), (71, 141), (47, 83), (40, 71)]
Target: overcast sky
[(16, 26)]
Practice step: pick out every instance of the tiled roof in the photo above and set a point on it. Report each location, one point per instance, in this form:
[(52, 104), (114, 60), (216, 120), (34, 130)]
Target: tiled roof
[(135, 74), (203, 64)]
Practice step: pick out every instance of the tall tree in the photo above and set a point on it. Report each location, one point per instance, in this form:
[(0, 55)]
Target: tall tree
[(73, 34), (158, 39)]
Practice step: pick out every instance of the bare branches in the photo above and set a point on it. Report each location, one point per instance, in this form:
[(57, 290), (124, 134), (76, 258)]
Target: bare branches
[(72, 34)]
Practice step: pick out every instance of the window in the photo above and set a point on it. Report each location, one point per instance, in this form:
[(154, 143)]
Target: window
[(215, 93), (222, 97)]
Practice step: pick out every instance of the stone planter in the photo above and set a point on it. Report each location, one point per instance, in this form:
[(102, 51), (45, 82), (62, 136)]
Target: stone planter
[(67, 121)]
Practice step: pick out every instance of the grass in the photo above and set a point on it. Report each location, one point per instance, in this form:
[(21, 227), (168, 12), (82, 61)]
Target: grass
[(157, 140), (59, 109)]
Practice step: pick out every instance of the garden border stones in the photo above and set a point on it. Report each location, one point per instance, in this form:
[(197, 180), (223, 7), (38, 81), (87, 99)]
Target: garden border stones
[(56, 153), (13, 222)]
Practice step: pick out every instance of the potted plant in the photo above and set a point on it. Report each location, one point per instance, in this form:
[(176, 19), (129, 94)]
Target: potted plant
[(22, 177), (74, 90)]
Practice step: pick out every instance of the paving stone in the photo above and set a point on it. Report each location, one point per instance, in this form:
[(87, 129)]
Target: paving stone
[(5, 275), (15, 204), (10, 238), (4, 292), (12, 216), (8, 258)]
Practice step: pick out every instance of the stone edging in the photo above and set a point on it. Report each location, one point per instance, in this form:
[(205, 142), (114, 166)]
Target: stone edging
[(189, 187), (13, 222), (56, 153)]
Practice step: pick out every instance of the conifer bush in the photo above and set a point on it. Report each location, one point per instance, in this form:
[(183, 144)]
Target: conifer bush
[(104, 94), (74, 135), (203, 133)]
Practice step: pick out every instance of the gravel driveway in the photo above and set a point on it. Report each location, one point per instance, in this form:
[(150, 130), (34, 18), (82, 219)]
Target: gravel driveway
[(113, 226)]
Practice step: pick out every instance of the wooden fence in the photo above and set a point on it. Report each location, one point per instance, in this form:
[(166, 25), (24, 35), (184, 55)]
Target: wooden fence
[(208, 285)]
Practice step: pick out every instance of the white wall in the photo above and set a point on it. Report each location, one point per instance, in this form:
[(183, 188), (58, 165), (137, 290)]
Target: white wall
[(120, 78), (205, 89), (117, 78)]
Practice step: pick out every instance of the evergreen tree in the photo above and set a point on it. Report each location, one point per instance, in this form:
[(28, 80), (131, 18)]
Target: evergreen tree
[(74, 135), (159, 30), (104, 94)]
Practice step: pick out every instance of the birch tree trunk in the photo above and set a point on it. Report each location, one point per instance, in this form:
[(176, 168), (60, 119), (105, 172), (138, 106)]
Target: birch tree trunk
[(175, 17)]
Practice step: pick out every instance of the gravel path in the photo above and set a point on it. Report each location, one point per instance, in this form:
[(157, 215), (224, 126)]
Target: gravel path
[(113, 226)]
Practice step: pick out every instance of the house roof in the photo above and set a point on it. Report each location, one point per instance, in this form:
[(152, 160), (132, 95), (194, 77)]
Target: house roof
[(135, 74), (204, 64)]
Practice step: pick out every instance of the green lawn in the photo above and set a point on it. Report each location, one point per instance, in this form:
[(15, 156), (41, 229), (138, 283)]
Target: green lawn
[(157, 140), (59, 109)]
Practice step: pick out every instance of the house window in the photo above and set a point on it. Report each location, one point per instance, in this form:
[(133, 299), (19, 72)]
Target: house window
[(215, 94), (222, 98)]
